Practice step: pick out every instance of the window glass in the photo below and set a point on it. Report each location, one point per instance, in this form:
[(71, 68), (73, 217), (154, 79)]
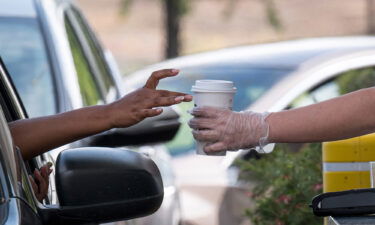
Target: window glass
[(97, 52), (24, 53), (343, 83), (89, 90)]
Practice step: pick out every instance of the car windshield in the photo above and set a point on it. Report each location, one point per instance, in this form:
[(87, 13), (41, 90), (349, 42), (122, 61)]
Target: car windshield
[(24, 53), (251, 82)]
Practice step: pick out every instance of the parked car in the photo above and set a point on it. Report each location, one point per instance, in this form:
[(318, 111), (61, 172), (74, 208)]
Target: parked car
[(268, 77), (57, 64), (82, 187)]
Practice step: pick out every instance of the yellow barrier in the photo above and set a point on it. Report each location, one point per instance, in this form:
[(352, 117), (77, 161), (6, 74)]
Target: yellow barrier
[(345, 163)]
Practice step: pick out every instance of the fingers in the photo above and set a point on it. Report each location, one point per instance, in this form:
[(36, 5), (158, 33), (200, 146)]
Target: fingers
[(42, 184), (167, 101), (165, 93), (206, 135), (151, 112), (39, 178), (208, 112), (216, 147), (188, 98), (33, 184), (198, 123), (153, 80), (46, 170)]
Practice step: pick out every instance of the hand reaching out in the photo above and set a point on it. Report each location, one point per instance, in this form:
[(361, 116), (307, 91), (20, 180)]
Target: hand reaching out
[(145, 101), (38, 135), (40, 181)]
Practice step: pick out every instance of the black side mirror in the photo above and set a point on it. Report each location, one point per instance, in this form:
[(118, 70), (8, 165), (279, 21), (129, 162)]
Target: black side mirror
[(152, 130), (104, 185)]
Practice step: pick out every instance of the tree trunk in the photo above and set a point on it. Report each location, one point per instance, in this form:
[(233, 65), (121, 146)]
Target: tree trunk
[(370, 7), (172, 27)]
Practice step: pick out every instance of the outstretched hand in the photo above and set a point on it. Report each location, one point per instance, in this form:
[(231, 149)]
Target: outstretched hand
[(145, 102)]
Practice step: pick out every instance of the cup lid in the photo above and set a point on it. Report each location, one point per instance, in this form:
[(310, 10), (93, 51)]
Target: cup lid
[(213, 86)]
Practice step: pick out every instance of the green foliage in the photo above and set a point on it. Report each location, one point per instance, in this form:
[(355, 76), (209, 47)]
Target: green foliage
[(270, 8), (356, 79), (272, 15), (125, 6), (286, 182), (183, 6)]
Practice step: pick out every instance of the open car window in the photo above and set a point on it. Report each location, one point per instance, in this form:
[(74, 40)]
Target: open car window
[(13, 110)]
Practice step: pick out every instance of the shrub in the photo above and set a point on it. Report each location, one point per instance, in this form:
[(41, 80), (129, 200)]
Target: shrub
[(285, 183)]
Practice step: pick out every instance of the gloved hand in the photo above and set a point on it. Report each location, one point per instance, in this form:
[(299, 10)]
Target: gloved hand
[(224, 129)]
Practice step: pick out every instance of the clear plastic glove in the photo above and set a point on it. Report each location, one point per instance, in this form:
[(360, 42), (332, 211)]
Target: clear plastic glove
[(224, 129)]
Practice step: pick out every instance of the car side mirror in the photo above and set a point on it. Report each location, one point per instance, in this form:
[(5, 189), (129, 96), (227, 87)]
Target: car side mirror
[(104, 185), (156, 129)]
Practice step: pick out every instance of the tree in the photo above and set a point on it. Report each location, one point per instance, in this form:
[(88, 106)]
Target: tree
[(173, 11), (370, 7)]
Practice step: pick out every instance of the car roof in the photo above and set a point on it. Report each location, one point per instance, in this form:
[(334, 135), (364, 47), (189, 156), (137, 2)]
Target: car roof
[(287, 54)]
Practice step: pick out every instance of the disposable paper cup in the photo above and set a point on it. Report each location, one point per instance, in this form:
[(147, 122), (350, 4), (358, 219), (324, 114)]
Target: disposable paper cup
[(215, 93)]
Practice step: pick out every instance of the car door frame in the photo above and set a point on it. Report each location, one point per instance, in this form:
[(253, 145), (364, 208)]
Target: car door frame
[(14, 109)]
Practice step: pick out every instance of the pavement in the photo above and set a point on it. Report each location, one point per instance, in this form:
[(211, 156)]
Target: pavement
[(206, 196)]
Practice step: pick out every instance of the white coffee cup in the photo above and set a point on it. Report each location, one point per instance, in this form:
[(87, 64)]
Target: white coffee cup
[(215, 93)]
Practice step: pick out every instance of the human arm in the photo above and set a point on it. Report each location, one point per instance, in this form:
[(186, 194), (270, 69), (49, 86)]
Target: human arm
[(343, 117), (36, 136)]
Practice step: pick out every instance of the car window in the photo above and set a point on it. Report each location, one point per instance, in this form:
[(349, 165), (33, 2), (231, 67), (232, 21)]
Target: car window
[(24, 52), (98, 55), (343, 83), (88, 87)]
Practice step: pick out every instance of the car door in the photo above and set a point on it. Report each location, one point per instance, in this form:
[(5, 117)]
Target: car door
[(16, 191)]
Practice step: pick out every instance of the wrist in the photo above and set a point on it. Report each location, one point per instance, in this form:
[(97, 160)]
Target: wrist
[(103, 116), (271, 131)]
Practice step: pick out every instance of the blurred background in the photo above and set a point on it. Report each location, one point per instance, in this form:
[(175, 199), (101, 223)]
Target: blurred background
[(144, 32), (136, 31)]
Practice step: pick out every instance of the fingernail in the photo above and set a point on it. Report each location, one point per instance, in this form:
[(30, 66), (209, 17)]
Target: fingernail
[(175, 70), (159, 110), (179, 98)]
